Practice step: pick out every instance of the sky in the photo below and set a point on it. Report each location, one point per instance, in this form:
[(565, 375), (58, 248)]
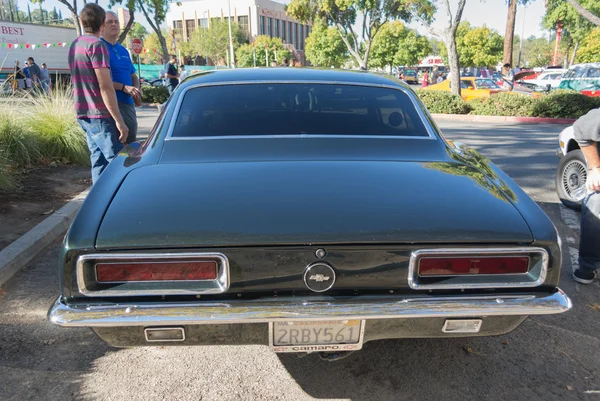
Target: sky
[(491, 13)]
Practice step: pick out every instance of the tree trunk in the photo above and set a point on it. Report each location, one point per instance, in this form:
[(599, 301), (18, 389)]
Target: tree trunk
[(510, 32), (594, 19), (123, 34), (453, 63), (163, 45), (572, 61), (77, 23)]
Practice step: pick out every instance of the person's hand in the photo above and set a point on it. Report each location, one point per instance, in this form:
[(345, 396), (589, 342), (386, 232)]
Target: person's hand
[(131, 91), (593, 180), (124, 131)]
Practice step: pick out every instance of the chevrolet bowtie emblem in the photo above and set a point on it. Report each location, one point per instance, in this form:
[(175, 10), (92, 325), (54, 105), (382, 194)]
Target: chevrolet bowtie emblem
[(319, 278)]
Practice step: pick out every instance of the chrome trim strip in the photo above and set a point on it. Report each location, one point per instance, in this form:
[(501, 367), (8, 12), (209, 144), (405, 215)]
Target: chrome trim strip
[(413, 97), (149, 329), (290, 309), (218, 286), (533, 282)]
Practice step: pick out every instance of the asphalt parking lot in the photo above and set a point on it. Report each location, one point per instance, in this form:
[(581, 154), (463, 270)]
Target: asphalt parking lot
[(553, 357)]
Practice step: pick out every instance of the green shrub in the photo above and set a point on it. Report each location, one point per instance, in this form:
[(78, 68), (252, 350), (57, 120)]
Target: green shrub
[(17, 144), (564, 104), (155, 94), (52, 120), (503, 104), (443, 102)]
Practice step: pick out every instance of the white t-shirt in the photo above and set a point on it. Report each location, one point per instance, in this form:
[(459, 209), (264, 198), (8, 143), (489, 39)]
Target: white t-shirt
[(183, 74)]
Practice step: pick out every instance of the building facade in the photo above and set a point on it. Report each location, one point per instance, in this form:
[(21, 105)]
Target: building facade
[(255, 17)]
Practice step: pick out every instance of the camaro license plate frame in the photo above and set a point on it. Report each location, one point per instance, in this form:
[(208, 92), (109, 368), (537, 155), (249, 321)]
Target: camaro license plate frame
[(342, 328)]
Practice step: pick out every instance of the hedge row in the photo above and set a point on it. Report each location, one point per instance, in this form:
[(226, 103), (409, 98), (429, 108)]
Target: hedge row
[(556, 104), (155, 94)]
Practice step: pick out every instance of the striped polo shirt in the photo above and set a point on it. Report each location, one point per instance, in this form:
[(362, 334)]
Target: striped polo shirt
[(86, 54)]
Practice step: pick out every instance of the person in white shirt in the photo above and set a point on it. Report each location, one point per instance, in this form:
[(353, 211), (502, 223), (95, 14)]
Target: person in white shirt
[(183, 73)]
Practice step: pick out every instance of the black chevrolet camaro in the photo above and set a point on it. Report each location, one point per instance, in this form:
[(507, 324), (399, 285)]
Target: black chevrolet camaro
[(307, 210)]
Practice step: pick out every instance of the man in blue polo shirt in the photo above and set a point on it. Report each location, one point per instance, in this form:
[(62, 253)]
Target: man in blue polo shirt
[(125, 80)]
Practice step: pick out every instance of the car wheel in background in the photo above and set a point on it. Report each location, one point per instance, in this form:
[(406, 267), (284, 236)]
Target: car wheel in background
[(571, 174)]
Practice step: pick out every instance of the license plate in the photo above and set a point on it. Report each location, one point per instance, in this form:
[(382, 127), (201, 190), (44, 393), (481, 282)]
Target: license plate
[(316, 336)]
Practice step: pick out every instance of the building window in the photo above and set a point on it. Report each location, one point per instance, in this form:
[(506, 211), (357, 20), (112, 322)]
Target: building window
[(283, 31), (261, 30), (178, 27), (190, 27), (296, 35), (301, 37), (290, 35), (270, 26), (276, 26), (243, 22), (203, 23)]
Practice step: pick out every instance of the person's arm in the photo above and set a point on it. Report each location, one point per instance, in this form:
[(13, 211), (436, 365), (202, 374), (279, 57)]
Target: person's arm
[(586, 131), (593, 161), (109, 97)]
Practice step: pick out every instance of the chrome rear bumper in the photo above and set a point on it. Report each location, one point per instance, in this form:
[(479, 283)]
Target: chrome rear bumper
[(317, 308)]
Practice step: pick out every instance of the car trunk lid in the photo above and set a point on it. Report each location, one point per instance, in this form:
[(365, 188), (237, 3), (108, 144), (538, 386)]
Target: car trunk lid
[(308, 202)]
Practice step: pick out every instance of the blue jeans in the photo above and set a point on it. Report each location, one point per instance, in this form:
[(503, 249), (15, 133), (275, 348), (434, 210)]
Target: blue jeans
[(103, 141), (589, 244)]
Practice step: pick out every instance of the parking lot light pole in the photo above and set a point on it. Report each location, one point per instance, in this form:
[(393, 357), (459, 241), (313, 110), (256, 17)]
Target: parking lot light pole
[(232, 58)]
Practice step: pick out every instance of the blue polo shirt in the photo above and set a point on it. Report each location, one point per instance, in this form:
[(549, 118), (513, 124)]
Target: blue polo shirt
[(121, 69)]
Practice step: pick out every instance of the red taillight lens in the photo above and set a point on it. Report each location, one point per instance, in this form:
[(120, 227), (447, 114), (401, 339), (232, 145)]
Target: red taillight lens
[(441, 266), (156, 271)]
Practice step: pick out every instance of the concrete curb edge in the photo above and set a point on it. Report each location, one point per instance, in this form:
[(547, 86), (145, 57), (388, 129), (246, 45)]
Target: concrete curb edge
[(25, 248), (501, 119)]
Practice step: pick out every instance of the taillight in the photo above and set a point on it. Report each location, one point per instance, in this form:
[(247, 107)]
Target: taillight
[(455, 266), (476, 268), (141, 274), (156, 271)]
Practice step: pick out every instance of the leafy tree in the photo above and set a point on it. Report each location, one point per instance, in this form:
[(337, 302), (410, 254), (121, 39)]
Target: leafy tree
[(262, 46), (73, 6), (213, 41), (481, 47), (138, 31), (324, 46), (152, 44), (342, 15), (575, 27), (537, 52), (396, 45), (586, 13), (590, 48), (448, 34), (155, 12), (510, 29)]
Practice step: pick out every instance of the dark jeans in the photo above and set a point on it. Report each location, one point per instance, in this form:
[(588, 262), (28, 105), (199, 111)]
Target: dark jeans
[(130, 117), (589, 244), (103, 141)]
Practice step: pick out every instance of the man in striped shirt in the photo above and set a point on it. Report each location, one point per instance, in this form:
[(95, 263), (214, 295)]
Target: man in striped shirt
[(95, 99)]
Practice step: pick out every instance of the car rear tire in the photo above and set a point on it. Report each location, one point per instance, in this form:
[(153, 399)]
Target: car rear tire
[(571, 174)]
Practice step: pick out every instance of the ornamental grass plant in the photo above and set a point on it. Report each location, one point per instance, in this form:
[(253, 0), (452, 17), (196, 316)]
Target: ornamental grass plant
[(39, 129), (52, 120)]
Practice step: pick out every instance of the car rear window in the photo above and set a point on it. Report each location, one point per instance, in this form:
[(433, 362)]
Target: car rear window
[(297, 109)]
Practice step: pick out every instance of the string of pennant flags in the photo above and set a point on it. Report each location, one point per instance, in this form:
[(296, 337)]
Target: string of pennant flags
[(47, 45), (34, 46)]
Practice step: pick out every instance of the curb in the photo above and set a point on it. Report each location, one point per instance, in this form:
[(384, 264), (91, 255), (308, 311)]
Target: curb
[(25, 248), (502, 119)]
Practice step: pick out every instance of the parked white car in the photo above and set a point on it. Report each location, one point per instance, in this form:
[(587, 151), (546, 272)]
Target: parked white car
[(550, 77), (571, 173)]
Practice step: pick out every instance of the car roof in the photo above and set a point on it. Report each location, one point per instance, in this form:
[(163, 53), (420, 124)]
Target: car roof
[(290, 74)]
